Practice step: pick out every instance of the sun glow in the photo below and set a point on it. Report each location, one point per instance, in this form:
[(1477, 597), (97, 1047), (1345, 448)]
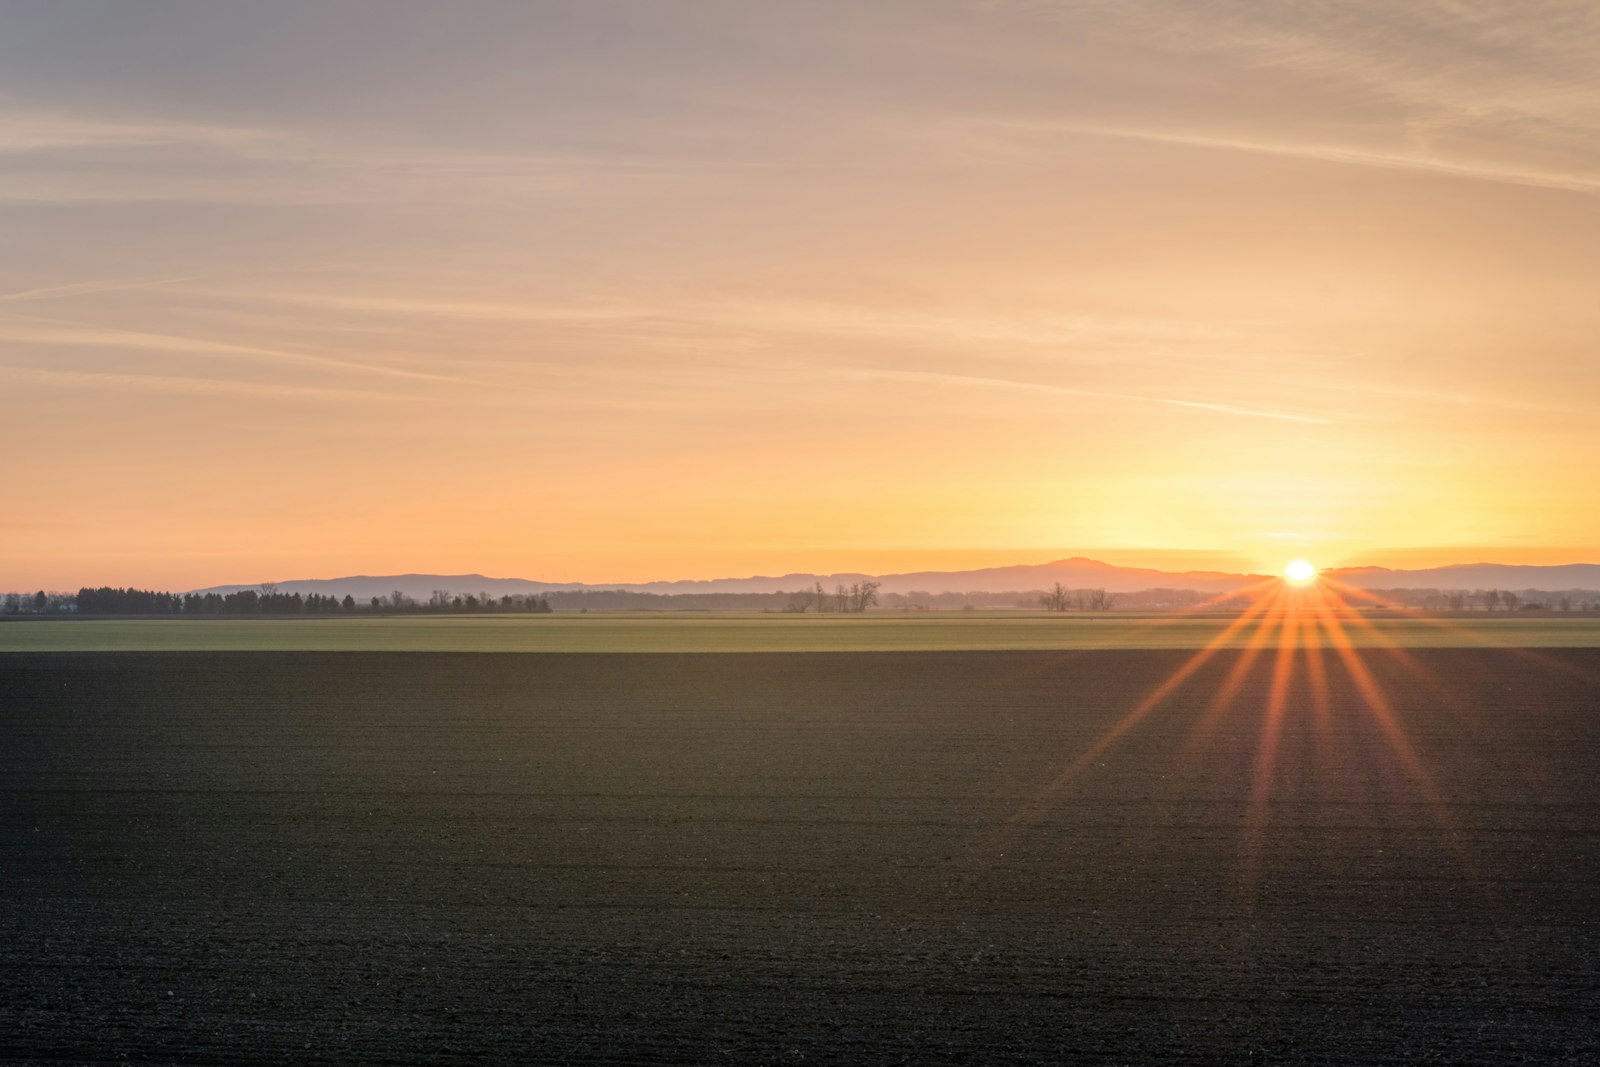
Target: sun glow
[(1300, 572)]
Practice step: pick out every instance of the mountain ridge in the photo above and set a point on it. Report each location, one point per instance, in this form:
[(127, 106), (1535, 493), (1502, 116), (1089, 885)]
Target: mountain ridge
[(1074, 572)]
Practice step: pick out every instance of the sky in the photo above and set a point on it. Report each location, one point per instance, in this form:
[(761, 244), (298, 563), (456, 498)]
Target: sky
[(611, 291)]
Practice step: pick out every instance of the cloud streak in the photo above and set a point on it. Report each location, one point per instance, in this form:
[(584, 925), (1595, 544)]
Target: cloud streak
[(1473, 89), (1572, 182), (1044, 389), (89, 288), (65, 334), (909, 324), (179, 385)]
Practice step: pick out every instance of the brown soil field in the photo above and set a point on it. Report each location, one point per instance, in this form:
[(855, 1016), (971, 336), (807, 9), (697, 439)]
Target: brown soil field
[(808, 858)]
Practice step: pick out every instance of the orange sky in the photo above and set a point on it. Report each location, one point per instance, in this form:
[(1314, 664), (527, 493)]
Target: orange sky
[(618, 292)]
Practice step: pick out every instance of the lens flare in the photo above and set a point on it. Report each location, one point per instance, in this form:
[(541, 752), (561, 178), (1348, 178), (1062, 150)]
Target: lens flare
[(1320, 623)]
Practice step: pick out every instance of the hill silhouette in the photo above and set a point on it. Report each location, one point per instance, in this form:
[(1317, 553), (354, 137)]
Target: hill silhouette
[(1075, 572)]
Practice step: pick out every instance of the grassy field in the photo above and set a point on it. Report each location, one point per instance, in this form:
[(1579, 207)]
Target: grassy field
[(755, 632)]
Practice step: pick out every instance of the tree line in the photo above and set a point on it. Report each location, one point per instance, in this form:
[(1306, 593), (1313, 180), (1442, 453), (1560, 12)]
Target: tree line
[(1059, 598), (109, 600), (630, 600), (1492, 599), (848, 599)]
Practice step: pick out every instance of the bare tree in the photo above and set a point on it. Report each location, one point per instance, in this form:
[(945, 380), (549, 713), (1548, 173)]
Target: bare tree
[(1098, 600), (268, 588), (863, 595), (1055, 598)]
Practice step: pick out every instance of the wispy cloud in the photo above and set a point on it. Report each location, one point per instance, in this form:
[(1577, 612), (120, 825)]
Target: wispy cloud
[(104, 156), (25, 130), (1046, 389), (1472, 402), (756, 344), (464, 310), (1477, 89), (188, 386), (52, 332), (975, 327), (88, 288), (1575, 182)]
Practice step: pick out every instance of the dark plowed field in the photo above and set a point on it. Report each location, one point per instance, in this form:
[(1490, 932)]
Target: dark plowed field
[(864, 858)]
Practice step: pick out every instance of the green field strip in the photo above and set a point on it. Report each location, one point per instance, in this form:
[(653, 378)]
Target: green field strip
[(755, 633)]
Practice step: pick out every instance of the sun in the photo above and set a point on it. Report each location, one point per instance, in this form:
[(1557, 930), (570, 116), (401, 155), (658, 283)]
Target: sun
[(1300, 572)]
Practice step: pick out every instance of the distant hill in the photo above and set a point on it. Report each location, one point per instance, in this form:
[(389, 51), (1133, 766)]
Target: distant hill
[(417, 586), (1475, 576), (1075, 573)]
